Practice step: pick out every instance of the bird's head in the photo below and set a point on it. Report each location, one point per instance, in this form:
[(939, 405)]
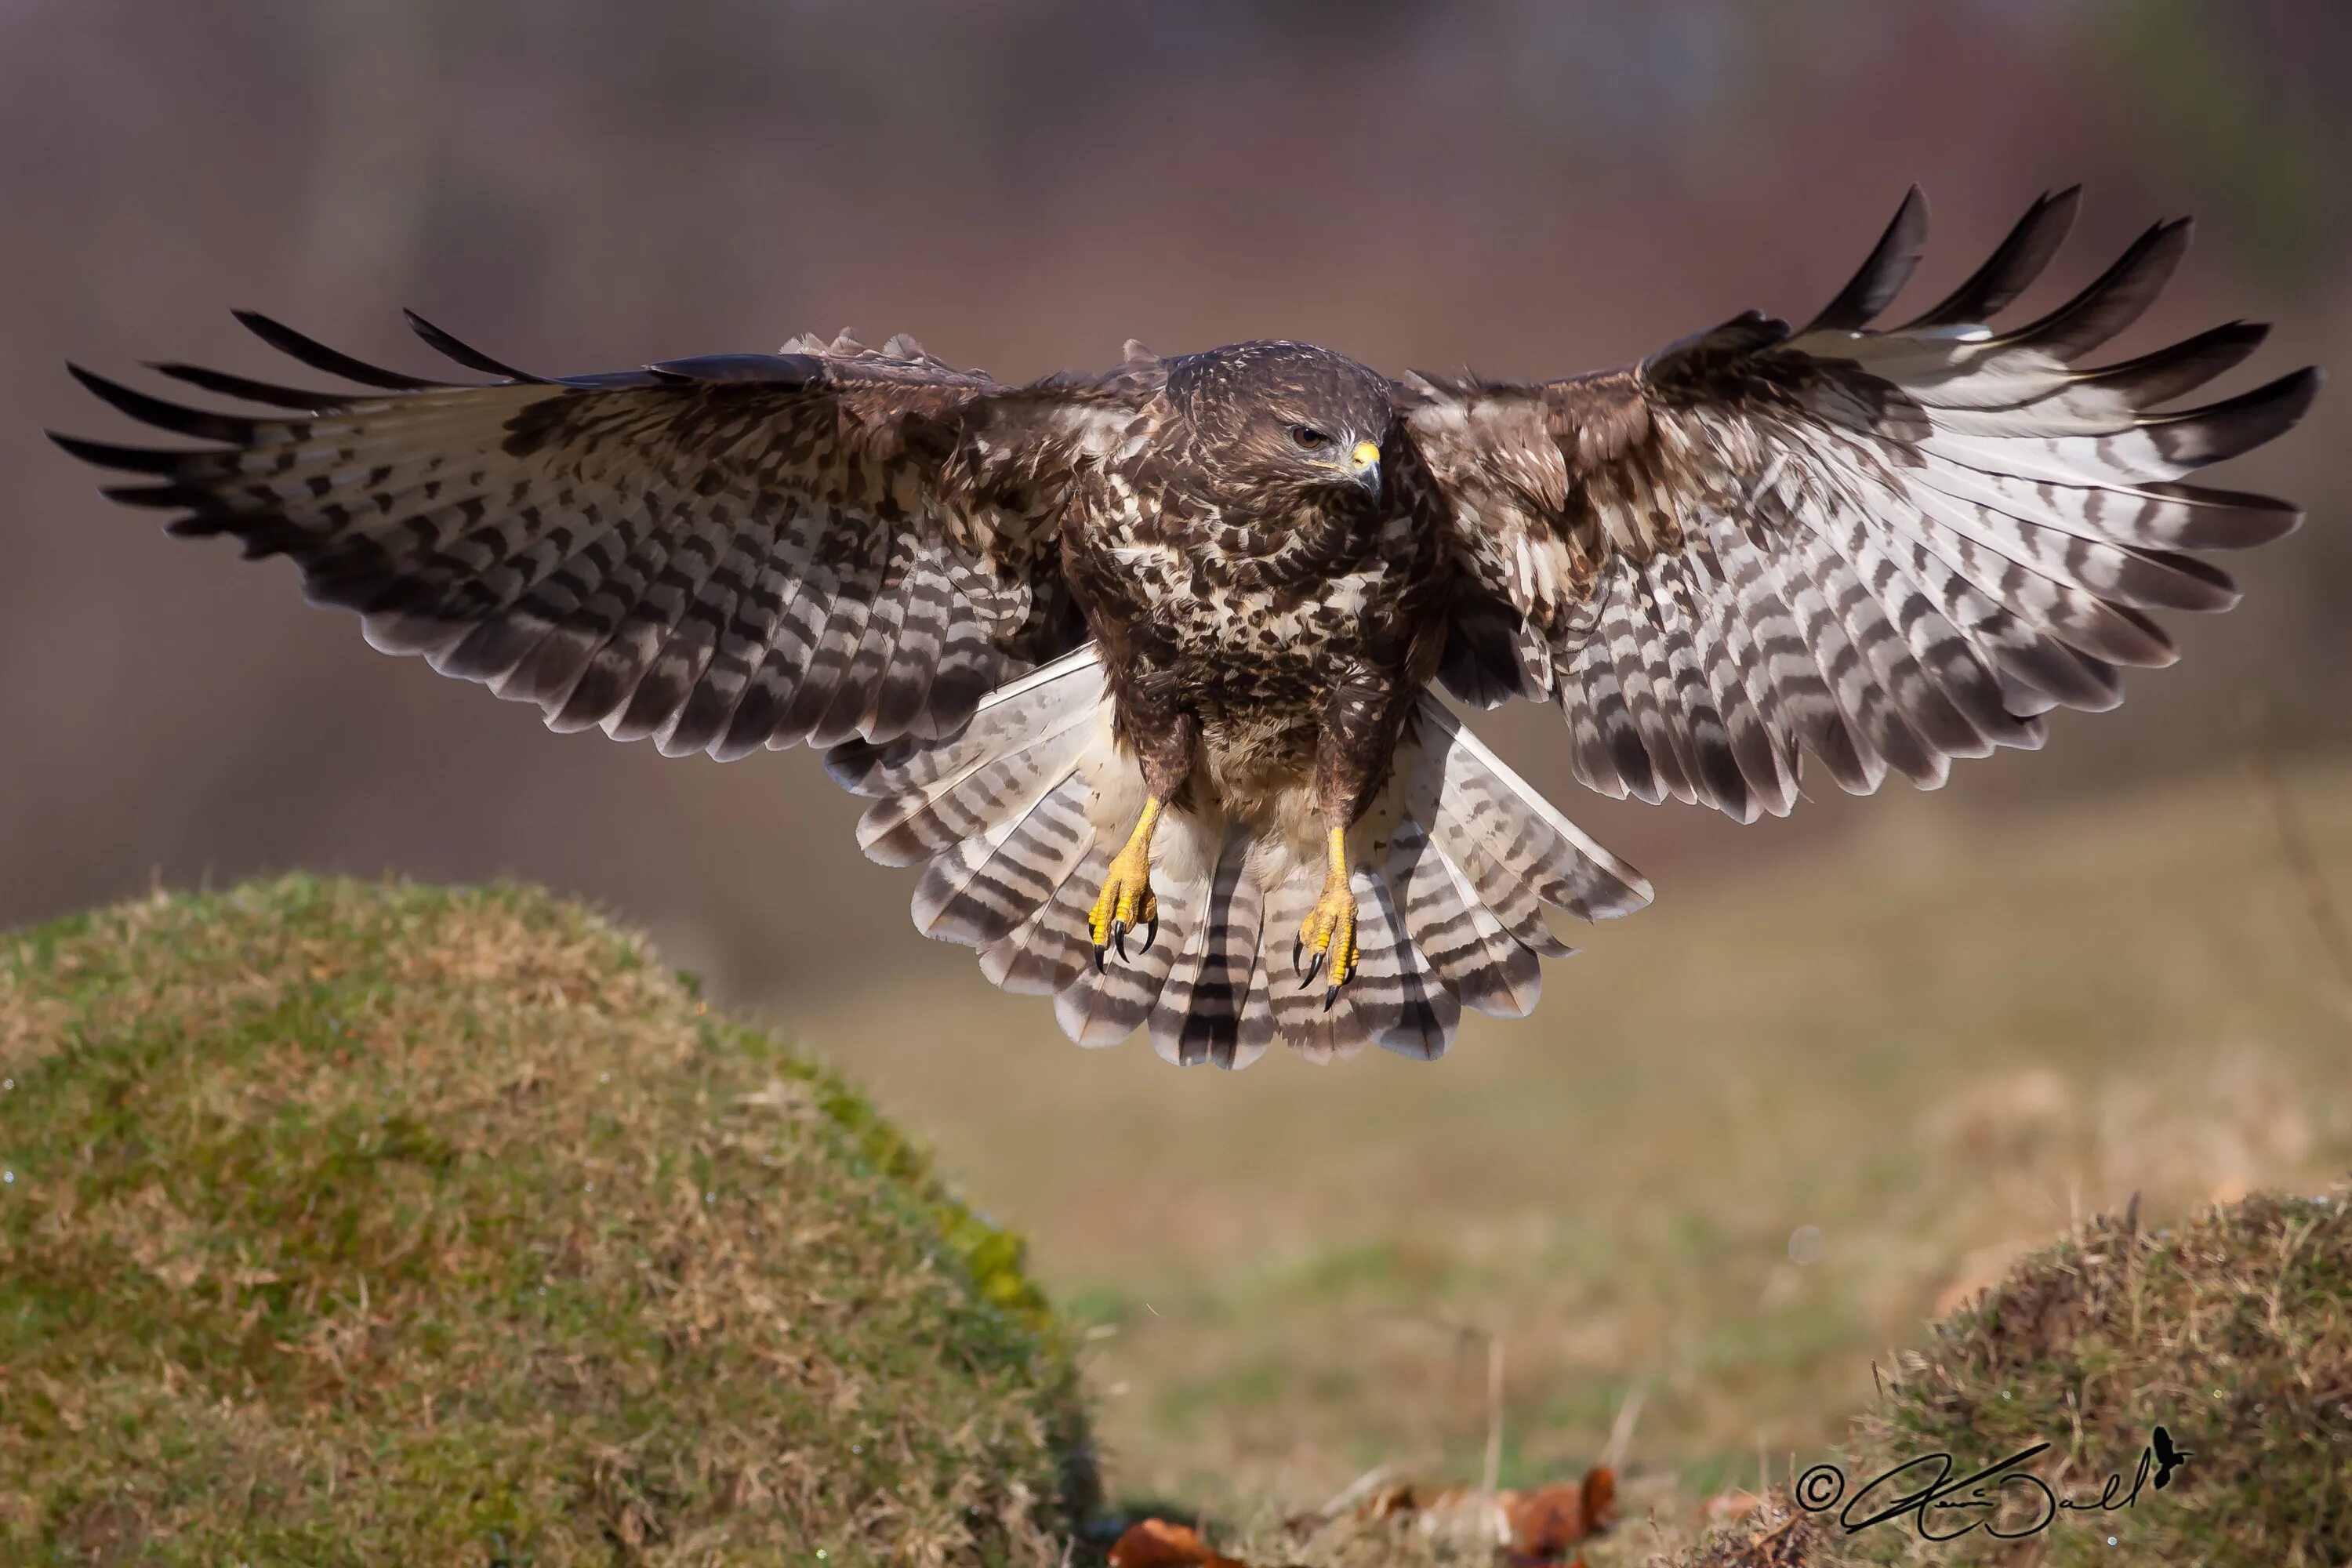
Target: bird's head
[(1289, 422)]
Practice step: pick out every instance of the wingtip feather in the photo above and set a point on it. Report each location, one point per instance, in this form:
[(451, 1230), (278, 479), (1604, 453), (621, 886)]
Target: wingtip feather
[(334, 361), (459, 352), (1883, 275)]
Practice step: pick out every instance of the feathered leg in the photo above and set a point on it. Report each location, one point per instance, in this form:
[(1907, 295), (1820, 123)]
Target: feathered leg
[(1361, 720), (1163, 737)]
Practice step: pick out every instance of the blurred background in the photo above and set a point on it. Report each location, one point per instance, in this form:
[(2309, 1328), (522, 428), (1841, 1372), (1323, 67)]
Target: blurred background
[(1530, 188)]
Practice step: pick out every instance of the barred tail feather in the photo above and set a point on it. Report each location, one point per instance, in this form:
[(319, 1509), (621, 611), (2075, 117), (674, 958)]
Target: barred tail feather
[(1203, 1014), (1014, 820), (1320, 1033), (1526, 834), (1483, 966), (1048, 950), (1416, 1011), (995, 881)]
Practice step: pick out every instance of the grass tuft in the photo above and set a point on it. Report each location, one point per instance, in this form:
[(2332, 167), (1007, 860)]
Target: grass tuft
[(2232, 1329), (389, 1224)]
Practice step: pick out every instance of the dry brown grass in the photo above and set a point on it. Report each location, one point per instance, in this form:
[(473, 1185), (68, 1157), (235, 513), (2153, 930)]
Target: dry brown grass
[(350, 1224)]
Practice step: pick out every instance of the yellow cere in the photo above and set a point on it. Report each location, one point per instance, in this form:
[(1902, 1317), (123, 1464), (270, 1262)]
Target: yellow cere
[(1366, 454)]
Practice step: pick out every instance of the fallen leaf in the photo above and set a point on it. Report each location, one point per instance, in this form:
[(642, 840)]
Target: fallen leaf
[(1545, 1523), (1599, 1499), (1156, 1544), (1549, 1518), (1537, 1529)]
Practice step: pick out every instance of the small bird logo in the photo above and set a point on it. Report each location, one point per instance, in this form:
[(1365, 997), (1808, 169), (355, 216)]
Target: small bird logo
[(2167, 1458)]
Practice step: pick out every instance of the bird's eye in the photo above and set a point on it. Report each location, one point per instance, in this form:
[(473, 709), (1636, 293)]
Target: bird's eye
[(1309, 439)]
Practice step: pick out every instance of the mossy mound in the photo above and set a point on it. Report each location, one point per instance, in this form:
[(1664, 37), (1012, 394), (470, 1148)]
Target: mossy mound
[(2232, 1331), (386, 1223)]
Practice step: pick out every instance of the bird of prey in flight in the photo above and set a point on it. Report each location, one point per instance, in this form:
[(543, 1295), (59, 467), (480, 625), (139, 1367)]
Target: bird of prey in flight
[(1142, 668)]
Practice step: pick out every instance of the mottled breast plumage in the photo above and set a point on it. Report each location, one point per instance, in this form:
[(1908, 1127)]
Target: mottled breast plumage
[(1260, 542)]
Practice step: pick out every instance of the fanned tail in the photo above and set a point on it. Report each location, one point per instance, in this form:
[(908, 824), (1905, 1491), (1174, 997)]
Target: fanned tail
[(1015, 818)]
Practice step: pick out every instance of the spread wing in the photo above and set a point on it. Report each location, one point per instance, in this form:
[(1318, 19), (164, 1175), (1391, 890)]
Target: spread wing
[(720, 553), (1889, 548)]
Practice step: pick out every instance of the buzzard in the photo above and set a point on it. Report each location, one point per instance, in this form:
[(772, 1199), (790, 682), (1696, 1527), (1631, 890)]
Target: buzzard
[(1142, 666)]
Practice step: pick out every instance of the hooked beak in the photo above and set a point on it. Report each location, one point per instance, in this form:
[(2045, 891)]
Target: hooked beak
[(1364, 467)]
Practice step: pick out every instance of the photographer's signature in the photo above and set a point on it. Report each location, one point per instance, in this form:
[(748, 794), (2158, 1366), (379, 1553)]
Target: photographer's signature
[(2033, 1504)]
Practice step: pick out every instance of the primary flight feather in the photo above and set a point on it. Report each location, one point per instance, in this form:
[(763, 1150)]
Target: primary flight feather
[(1139, 667)]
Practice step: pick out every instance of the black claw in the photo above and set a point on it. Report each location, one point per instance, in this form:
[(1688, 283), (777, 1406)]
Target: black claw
[(1150, 935), (1297, 946), (1330, 995), (1098, 957), (1118, 938), (1314, 967)]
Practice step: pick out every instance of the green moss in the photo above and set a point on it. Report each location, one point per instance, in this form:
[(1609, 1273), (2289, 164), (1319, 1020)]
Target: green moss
[(385, 1224)]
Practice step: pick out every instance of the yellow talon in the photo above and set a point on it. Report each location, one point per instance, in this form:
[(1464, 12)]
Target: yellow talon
[(1330, 930), (1126, 898)]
